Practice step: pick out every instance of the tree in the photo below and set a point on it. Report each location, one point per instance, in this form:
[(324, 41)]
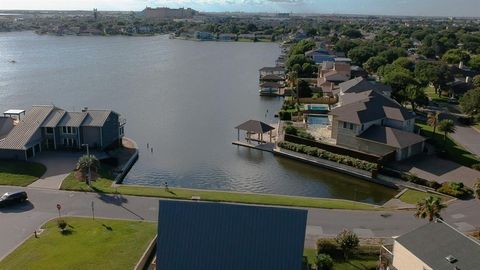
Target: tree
[(405, 63), (415, 95), (446, 126), (474, 62), (393, 54), (304, 90), (470, 102), (397, 77), (347, 241), (476, 81), (297, 59), (345, 45), (324, 262), (361, 54), (430, 208), (436, 73), (374, 63), (432, 120), (352, 33), (87, 161), (455, 56), (302, 47)]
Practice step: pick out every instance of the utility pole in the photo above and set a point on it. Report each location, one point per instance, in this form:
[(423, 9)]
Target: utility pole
[(89, 176)]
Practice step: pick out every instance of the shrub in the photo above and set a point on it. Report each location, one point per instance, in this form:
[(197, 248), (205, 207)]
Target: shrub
[(285, 116), (347, 241), (327, 246), (324, 262), (62, 224), (455, 189), (420, 181), (317, 152)]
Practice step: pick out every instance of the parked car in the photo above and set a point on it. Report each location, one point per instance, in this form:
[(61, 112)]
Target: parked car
[(10, 198)]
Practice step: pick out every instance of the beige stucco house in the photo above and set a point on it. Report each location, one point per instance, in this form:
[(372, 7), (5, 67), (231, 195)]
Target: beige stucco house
[(369, 121), (435, 246)]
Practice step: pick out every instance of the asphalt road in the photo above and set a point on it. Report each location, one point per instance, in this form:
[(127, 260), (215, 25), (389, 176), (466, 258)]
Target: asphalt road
[(468, 137), (19, 222)]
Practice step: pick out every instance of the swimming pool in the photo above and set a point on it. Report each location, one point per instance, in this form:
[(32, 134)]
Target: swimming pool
[(318, 108), (318, 120)]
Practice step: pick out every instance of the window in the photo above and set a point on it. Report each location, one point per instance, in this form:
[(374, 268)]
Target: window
[(49, 130), (352, 126), (69, 130), (121, 131), (344, 124), (361, 129)]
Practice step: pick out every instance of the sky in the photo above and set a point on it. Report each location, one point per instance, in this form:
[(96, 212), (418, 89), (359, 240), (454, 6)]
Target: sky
[(467, 8)]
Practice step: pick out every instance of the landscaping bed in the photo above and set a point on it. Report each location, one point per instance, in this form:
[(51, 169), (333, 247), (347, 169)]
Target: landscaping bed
[(104, 185), (20, 173), (85, 244)]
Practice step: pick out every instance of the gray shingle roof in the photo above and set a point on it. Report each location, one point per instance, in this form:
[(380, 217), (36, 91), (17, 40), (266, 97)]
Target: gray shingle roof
[(391, 136), (272, 69), (96, 118), (255, 126), (368, 106), (72, 119), (20, 135), (54, 117), (433, 242), (210, 236), (361, 84)]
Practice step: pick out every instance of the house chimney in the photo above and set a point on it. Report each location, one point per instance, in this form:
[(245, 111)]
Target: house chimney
[(85, 109), (460, 66), (331, 86), (468, 79)]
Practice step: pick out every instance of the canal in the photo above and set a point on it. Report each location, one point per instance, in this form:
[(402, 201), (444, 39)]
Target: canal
[(182, 98)]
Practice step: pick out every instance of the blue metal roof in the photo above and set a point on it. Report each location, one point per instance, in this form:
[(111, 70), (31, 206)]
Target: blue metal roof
[(211, 236)]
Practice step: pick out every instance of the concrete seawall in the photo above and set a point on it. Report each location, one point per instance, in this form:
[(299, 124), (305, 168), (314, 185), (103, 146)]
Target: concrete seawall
[(131, 161)]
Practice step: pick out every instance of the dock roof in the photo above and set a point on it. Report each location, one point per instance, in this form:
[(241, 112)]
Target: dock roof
[(255, 126), (206, 236)]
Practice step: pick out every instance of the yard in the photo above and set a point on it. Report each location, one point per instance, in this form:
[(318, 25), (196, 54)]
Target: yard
[(86, 244), (413, 196), (357, 263), (20, 173), (104, 185), (455, 152)]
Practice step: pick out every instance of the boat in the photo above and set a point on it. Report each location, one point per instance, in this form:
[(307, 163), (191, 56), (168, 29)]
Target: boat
[(12, 61)]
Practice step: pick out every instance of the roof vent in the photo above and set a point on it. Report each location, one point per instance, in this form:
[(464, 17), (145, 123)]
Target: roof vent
[(451, 259), (85, 109)]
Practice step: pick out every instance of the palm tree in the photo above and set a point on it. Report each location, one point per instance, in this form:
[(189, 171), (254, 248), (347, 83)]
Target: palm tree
[(87, 161), (430, 208), (432, 120), (446, 126)]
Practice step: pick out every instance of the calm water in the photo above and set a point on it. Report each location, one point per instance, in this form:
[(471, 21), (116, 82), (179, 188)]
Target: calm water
[(183, 98)]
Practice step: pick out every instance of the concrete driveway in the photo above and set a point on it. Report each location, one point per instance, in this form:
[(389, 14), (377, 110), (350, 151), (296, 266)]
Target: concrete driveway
[(468, 137), (432, 168), (59, 165)]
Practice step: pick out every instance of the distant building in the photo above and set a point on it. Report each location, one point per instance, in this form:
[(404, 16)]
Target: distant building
[(203, 35), (227, 37), (168, 13), (211, 236), (46, 127), (320, 55), (434, 246), (278, 71)]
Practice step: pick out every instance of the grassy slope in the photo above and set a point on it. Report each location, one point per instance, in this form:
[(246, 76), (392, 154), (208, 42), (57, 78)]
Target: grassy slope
[(413, 196), (20, 173), (99, 244), (455, 152), (104, 185)]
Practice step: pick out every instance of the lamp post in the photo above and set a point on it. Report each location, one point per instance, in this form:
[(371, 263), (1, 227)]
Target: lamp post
[(88, 155)]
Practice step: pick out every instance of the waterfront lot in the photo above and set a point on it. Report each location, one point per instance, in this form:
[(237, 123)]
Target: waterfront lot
[(19, 173), (86, 244), (413, 196)]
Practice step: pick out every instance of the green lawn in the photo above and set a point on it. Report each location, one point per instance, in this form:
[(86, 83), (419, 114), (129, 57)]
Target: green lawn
[(412, 196), (358, 263), (104, 185), (20, 173), (430, 92), (98, 244), (455, 152)]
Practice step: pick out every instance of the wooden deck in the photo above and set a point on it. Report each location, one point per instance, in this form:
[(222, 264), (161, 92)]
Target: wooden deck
[(267, 147)]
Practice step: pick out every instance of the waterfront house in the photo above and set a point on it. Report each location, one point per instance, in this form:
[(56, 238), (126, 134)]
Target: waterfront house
[(203, 35), (207, 236), (320, 55), (278, 71), (227, 37), (46, 127), (434, 246), (333, 72), (270, 88), (371, 122), (360, 84)]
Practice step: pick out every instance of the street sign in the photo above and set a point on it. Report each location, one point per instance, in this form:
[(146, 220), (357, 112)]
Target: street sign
[(59, 206)]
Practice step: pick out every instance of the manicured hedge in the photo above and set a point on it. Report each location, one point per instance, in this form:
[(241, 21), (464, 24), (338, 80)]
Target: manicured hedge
[(317, 152), (299, 132)]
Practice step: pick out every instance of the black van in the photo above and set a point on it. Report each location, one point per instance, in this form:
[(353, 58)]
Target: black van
[(13, 198)]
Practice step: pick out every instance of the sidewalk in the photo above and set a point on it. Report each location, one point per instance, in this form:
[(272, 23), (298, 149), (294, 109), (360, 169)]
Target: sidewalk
[(468, 137), (59, 166)]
